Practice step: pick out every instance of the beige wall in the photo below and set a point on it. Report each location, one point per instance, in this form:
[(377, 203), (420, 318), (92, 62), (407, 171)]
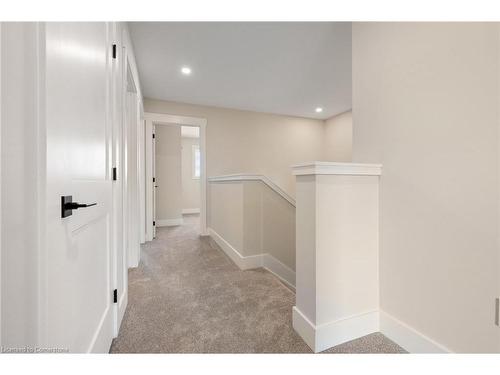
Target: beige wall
[(252, 216), (278, 227), (251, 142), (425, 104), (225, 213), (168, 173), (190, 186), (338, 138)]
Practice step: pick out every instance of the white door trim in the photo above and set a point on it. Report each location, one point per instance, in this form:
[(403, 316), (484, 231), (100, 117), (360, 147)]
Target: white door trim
[(1, 52), (168, 119), (142, 178), (148, 185)]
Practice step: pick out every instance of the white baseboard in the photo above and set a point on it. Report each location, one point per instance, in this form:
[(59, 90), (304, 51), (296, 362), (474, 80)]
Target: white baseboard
[(327, 335), (304, 327), (407, 337), (334, 333), (243, 262), (267, 261), (102, 336), (282, 271), (186, 211), (169, 222), (121, 306)]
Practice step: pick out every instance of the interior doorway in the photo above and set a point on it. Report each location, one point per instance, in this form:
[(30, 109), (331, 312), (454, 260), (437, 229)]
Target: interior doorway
[(175, 171), (176, 176), (190, 170)]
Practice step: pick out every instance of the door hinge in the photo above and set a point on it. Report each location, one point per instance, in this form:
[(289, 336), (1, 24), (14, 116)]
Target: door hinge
[(114, 174), (154, 179), (154, 223), (153, 135), (114, 51), (497, 311), (115, 296)]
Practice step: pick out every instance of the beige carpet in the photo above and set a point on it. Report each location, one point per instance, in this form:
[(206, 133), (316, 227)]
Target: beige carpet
[(187, 296)]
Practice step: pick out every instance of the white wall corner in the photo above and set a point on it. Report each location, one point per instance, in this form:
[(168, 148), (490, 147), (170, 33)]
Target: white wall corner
[(304, 327), (324, 336), (343, 330), (327, 335), (407, 337)]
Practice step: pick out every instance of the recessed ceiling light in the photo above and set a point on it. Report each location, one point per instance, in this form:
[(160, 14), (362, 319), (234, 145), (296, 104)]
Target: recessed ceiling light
[(186, 70), (319, 109)]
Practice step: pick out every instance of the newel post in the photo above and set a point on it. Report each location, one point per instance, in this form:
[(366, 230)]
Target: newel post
[(337, 277)]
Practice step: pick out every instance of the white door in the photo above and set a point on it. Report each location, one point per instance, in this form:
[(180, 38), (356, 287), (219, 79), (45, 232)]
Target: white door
[(77, 291)]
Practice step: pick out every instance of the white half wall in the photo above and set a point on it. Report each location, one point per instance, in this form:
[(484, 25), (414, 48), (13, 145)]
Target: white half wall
[(253, 224), (337, 253)]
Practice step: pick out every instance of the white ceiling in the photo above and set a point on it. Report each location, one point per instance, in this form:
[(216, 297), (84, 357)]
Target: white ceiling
[(283, 68)]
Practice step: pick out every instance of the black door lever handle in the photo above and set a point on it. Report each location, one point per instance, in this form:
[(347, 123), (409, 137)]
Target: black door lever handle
[(67, 205), (76, 205)]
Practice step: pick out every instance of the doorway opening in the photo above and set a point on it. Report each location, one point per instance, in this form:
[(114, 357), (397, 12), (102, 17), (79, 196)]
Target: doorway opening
[(175, 172), (190, 174)]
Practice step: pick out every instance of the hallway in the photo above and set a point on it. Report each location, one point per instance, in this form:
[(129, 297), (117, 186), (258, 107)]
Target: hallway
[(186, 296)]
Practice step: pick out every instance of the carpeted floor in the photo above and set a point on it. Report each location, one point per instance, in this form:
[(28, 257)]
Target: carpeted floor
[(186, 296)]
